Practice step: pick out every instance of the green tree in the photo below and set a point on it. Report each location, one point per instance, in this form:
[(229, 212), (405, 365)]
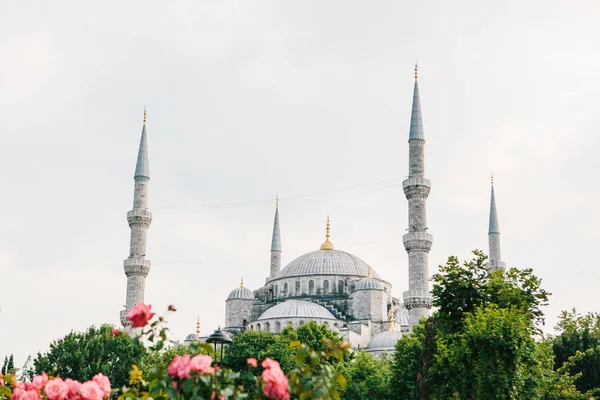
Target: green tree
[(8, 366), (367, 377), (81, 355)]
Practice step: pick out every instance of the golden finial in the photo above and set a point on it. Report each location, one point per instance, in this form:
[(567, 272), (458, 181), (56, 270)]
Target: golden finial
[(416, 70), (492, 179), (392, 318), (242, 282), (144, 115), (369, 273), (198, 326), (276, 201), (327, 245)]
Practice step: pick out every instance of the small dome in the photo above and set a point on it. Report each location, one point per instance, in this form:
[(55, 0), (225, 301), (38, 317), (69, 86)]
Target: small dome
[(326, 262), (385, 341), (192, 337), (241, 293), (402, 316), (369, 284), (297, 309)]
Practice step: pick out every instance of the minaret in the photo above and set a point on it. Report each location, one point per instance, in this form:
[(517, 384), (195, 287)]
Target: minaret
[(276, 244), (495, 260), (136, 266), (417, 241)]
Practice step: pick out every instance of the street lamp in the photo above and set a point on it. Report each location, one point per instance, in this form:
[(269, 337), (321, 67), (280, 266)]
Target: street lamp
[(219, 340)]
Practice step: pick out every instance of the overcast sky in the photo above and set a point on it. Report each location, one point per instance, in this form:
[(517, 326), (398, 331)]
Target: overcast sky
[(308, 99)]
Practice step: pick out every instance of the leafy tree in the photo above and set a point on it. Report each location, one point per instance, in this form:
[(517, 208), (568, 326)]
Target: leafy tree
[(367, 377), (312, 335), (81, 355), (160, 360), (8, 367)]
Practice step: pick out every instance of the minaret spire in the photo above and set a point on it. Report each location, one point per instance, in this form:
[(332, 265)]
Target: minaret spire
[(276, 243), (417, 241), (136, 266), (327, 245), (495, 260)]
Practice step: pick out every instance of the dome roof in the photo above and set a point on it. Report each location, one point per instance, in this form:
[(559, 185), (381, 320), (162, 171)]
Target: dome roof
[(326, 262), (385, 341), (369, 284), (241, 293), (402, 316), (192, 337), (296, 309)]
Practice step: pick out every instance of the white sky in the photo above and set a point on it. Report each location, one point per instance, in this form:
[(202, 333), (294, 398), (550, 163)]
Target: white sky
[(246, 99)]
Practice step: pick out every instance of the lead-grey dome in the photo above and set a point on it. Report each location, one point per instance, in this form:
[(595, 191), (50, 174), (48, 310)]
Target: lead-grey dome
[(297, 309), (241, 293), (326, 262), (192, 337), (369, 284), (385, 341)]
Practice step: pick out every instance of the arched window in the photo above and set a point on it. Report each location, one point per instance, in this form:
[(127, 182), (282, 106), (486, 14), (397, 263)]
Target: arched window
[(276, 294), (336, 326), (289, 323), (326, 324), (258, 327), (325, 286), (267, 327), (341, 286), (297, 288), (311, 287), (251, 327), (278, 325), (301, 323), (285, 290)]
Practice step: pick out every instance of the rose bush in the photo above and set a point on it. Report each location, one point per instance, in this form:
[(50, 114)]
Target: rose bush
[(188, 377)]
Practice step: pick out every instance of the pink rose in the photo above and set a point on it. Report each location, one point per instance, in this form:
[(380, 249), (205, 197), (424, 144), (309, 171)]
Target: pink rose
[(276, 383), (180, 367), (103, 382), (91, 391), (39, 381), (115, 331), (139, 315), (56, 389), (202, 363), (252, 362), (74, 387), (22, 394)]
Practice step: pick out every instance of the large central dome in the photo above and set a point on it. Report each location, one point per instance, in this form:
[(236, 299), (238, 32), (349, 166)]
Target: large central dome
[(326, 262)]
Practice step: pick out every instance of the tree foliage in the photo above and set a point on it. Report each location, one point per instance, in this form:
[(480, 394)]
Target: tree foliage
[(8, 366), (367, 377), (81, 355)]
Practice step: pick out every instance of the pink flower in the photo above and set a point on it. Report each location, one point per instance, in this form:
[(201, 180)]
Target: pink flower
[(276, 383), (202, 363), (1, 380), (252, 362), (39, 381), (139, 315), (74, 388), (103, 382), (22, 394), (172, 307), (180, 367), (91, 391), (115, 331), (56, 389)]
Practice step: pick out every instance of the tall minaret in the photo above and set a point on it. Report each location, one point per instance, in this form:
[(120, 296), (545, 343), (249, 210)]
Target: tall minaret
[(417, 241), (136, 266), (276, 244), (495, 260)]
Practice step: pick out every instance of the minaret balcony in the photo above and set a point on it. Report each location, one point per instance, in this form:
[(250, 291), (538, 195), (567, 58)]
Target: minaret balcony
[(416, 186), (124, 321), (139, 217), (417, 241), (417, 299), (136, 266)]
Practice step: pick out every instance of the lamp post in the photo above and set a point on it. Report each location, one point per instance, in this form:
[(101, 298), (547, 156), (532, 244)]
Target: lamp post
[(219, 339)]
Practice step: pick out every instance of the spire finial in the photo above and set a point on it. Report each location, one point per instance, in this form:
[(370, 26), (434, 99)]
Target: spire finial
[(198, 327), (392, 317), (276, 200), (492, 179), (242, 282), (369, 273), (417, 70), (144, 115), (327, 245)]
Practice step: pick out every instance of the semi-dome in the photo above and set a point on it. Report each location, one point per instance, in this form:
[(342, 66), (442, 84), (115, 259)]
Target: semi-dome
[(297, 309), (241, 293), (385, 341), (326, 262)]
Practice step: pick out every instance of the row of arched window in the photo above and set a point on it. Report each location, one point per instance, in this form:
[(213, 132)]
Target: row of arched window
[(311, 288), (277, 328)]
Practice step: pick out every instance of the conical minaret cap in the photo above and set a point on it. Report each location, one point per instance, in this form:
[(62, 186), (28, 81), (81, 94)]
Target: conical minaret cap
[(142, 169), (494, 227), (276, 240), (416, 120), (327, 245)]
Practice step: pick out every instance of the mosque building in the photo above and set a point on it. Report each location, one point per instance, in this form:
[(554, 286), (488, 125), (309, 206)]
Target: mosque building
[(327, 286)]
